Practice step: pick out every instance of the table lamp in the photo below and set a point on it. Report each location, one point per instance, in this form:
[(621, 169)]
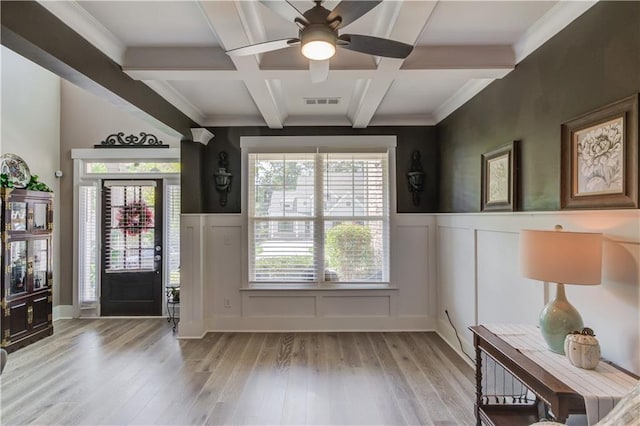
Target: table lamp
[(563, 258)]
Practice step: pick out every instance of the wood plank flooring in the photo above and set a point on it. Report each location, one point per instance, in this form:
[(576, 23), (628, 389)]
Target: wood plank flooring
[(135, 372)]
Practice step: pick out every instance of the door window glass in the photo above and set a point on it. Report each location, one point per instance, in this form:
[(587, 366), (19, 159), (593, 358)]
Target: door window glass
[(39, 216), (18, 216), (18, 266), (40, 256), (130, 233)]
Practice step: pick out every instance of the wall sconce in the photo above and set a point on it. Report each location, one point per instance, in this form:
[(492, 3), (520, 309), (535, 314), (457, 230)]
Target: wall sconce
[(223, 178), (416, 178)]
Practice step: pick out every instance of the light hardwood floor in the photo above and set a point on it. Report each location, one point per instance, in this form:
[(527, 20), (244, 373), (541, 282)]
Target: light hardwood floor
[(117, 372)]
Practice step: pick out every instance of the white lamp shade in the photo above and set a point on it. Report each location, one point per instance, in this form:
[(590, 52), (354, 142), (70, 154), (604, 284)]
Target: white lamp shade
[(561, 257)]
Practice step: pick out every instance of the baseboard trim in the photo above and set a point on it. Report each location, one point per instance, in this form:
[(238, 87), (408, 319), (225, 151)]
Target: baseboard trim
[(191, 330), (315, 324), (62, 312)]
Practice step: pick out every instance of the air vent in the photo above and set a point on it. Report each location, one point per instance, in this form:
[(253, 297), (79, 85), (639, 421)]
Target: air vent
[(321, 101)]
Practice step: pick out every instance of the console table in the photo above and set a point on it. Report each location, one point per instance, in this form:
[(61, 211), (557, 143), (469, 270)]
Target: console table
[(551, 392)]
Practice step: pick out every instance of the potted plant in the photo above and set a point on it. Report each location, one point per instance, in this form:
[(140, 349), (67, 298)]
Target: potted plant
[(174, 294)]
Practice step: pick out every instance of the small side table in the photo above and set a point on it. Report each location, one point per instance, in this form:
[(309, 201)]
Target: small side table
[(173, 303)]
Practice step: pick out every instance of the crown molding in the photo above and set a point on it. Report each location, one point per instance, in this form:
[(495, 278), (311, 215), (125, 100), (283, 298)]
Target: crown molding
[(551, 23), (403, 120), (202, 135), (462, 96)]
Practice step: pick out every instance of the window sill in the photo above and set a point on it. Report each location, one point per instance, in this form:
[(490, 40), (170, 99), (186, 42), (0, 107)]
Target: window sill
[(324, 287)]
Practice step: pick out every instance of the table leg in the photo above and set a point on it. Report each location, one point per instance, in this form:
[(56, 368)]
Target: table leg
[(478, 381), (172, 316)]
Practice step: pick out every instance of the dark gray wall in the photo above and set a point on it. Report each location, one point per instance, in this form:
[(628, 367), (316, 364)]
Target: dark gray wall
[(191, 176), (227, 139), (591, 63)]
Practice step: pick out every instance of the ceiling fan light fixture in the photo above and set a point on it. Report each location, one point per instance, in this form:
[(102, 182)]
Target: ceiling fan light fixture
[(318, 42), (318, 50)]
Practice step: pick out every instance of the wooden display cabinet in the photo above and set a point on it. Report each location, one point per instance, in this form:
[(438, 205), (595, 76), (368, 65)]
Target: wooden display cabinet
[(26, 279)]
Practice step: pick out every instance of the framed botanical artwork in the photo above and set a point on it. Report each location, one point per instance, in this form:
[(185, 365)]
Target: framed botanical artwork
[(499, 179), (599, 158)]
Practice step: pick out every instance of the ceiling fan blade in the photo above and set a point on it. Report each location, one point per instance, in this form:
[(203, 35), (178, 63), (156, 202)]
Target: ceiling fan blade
[(266, 46), (286, 9), (375, 46), (319, 70), (350, 10)]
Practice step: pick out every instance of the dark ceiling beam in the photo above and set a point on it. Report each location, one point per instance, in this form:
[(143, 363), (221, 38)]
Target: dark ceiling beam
[(36, 34)]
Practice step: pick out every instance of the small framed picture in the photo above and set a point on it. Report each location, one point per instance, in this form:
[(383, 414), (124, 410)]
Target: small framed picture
[(499, 182), (599, 158)]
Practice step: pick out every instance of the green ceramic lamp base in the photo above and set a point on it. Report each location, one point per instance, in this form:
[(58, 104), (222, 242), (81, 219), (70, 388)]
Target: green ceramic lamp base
[(558, 319)]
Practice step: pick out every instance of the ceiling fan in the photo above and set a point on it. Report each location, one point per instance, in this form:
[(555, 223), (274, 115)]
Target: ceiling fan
[(318, 34)]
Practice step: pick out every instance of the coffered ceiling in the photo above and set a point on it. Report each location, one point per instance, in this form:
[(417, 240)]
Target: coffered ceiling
[(178, 49)]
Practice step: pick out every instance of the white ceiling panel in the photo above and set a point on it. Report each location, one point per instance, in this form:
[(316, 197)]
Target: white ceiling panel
[(153, 23), (218, 97), (178, 49), (413, 96), (482, 22)]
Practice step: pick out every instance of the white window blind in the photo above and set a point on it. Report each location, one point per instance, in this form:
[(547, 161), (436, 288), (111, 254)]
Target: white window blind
[(318, 217), (130, 228), (88, 249), (173, 236)]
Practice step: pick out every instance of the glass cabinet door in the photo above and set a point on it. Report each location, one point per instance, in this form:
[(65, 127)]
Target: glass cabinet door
[(40, 215), (40, 255), (17, 267), (18, 212)]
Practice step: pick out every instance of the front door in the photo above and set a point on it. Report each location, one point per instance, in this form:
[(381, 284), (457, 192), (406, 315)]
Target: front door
[(132, 247)]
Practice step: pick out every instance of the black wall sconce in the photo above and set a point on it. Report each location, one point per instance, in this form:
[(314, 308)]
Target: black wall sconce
[(416, 177), (223, 177)]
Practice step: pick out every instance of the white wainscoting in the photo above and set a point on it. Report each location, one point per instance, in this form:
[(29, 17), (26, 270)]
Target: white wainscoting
[(215, 295), (473, 259), (479, 280), (192, 280)]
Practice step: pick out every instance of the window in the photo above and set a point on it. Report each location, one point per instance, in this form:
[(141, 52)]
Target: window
[(173, 234), (318, 217), (88, 233), (113, 167), (130, 226)]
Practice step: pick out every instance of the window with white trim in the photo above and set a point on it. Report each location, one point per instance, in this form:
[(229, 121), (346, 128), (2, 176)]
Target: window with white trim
[(318, 217)]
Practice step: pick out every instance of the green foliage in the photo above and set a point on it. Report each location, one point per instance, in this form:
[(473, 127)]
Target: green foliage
[(345, 166), (281, 173), (174, 293), (274, 266), (5, 182), (349, 250), (34, 185)]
